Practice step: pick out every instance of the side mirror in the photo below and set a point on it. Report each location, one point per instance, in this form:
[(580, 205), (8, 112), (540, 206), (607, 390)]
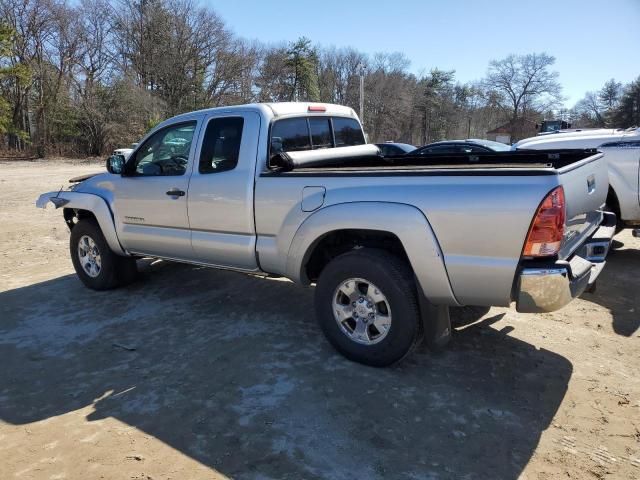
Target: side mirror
[(115, 164)]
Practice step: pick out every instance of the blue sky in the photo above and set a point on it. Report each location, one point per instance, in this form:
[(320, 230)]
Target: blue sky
[(591, 40)]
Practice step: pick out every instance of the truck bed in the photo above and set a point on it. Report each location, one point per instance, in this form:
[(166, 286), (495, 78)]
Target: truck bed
[(522, 160), (479, 206)]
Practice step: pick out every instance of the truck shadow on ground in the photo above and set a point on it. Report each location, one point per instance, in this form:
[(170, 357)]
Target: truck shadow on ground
[(613, 292), (232, 371)]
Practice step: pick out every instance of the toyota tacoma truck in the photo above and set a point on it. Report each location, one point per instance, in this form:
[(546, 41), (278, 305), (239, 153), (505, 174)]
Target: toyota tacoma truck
[(390, 242)]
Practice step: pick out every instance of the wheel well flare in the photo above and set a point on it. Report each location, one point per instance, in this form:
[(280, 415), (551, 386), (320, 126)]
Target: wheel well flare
[(338, 242)]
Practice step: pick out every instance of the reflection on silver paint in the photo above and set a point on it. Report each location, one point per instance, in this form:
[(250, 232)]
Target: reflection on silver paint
[(543, 290)]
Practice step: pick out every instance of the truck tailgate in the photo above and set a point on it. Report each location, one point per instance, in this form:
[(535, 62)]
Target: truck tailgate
[(585, 184)]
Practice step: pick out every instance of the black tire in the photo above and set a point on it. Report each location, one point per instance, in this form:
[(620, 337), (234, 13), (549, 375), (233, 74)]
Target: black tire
[(395, 280), (613, 206), (114, 270)]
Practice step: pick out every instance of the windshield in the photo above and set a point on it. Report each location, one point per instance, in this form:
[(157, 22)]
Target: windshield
[(495, 146), (405, 147)]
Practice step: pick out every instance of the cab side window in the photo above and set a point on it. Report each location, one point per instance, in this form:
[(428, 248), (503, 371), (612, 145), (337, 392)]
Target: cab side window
[(221, 145), (165, 153), (290, 135), (347, 132)]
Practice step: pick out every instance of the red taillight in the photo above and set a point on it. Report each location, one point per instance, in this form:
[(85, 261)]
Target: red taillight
[(547, 230), (316, 108)]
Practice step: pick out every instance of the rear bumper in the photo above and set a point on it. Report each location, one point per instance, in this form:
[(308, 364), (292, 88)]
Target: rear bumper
[(546, 288)]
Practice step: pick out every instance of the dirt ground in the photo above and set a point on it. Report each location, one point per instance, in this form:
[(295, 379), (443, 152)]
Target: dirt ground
[(194, 373)]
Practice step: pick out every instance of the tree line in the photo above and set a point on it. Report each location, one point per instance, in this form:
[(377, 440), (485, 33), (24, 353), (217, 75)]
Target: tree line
[(82, 78), (614, 105)]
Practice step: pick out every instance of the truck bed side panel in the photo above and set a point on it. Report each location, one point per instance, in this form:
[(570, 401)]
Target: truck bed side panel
[(480, 221), (407, 222)]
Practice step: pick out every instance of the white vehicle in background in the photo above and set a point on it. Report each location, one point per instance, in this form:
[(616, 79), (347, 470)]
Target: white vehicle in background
[(622, 152), (125, 152)]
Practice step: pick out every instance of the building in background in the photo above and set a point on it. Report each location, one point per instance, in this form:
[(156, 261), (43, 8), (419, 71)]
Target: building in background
[(513, 131)]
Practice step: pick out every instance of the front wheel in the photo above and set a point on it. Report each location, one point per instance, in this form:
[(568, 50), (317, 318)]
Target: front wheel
[(367, 307), (97, 266)]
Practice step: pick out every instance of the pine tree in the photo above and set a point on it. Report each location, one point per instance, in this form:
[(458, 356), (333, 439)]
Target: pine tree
[(303, 61), (628, 112)]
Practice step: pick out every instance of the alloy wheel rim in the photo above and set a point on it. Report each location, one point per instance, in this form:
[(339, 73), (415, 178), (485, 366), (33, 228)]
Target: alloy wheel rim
[(362, 311), (89, 256)]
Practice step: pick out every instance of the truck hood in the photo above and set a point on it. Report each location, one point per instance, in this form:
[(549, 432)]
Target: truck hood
[(82, 178), (98, 184)]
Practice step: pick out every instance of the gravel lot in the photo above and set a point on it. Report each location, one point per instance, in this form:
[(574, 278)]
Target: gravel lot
[(194, 373)]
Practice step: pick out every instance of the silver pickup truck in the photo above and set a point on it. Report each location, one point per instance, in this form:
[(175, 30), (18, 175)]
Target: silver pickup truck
[(290, 189)]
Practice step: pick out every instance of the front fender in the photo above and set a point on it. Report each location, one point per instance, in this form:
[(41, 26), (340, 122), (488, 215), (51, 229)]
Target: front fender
[(90, 202), (404, 221)]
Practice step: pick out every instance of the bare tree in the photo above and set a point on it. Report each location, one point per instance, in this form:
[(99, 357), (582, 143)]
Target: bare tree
[(94, 66), (86, 75), (338, 75), (229, 71), (591, 109), (525, 84), (272, 80)]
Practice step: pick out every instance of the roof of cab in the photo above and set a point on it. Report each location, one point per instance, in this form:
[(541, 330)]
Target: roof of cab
[(280, 109), (275, 109)]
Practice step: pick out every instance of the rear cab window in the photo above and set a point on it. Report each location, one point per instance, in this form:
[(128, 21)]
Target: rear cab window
[(320, 132), (347, 132), (311, 133)]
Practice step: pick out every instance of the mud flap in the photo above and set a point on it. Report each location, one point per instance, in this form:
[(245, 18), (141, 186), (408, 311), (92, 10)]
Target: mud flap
[(436, 323)]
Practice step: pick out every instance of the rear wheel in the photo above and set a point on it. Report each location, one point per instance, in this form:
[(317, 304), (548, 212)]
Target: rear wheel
[(367, 307), (97, 266)]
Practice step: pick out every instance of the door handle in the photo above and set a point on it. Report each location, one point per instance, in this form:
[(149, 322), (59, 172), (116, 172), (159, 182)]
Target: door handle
[(174, 192)]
